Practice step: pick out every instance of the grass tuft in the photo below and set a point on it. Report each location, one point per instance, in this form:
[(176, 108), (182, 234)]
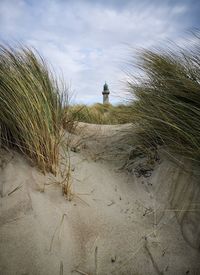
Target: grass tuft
[(100, 113), (165, 104), (31, 106)]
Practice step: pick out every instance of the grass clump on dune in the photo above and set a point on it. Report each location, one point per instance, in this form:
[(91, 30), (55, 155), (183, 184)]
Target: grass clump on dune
[(166, 100), (100, 113), (31, 107)]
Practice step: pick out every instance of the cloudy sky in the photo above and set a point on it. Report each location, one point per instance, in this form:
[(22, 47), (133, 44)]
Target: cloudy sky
[(88, 41)]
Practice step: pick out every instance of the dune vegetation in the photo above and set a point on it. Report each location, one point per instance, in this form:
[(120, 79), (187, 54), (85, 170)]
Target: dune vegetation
[(100, 113), (31, 107), (164, 106), (165, 103)]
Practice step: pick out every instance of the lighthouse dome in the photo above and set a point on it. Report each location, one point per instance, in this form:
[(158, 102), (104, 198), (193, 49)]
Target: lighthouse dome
[(105, 87)]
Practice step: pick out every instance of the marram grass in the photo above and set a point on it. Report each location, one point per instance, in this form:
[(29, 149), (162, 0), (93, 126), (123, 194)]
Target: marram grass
[(31, 107), (166, 100), (100, 113)]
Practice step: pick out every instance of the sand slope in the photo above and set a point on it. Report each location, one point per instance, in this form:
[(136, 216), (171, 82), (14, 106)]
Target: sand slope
[(110, 226)]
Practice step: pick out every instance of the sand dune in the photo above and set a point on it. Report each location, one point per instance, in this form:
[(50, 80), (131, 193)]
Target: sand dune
[(116, 223)]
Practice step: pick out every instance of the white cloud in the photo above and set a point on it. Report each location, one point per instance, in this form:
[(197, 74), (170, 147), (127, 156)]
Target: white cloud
[(88, 40)]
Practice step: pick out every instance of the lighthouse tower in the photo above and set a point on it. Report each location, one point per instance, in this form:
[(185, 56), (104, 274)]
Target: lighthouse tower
[(105, 94)]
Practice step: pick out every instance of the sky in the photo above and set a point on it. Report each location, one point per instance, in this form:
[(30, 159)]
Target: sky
[(88, 42)]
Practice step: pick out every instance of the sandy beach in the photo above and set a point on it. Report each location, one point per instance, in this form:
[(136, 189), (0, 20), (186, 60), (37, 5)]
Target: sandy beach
[(116, 222)]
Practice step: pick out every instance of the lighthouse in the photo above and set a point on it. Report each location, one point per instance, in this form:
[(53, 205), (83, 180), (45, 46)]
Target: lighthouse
[(105, 94)]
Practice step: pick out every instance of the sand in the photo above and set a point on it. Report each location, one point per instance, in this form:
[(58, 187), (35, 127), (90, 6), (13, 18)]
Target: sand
[(116, 222)]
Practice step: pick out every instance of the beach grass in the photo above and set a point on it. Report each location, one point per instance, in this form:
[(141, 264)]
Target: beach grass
[(31, 106), (100, 113), (166, 100)]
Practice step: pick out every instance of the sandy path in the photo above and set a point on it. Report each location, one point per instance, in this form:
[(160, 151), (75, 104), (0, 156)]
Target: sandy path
[(108, 228)]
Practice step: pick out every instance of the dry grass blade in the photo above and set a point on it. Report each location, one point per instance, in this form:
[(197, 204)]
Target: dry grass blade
[(58, 227), (15, 189), (96, 260), (80, 272), (61, 267), (152, 260)]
